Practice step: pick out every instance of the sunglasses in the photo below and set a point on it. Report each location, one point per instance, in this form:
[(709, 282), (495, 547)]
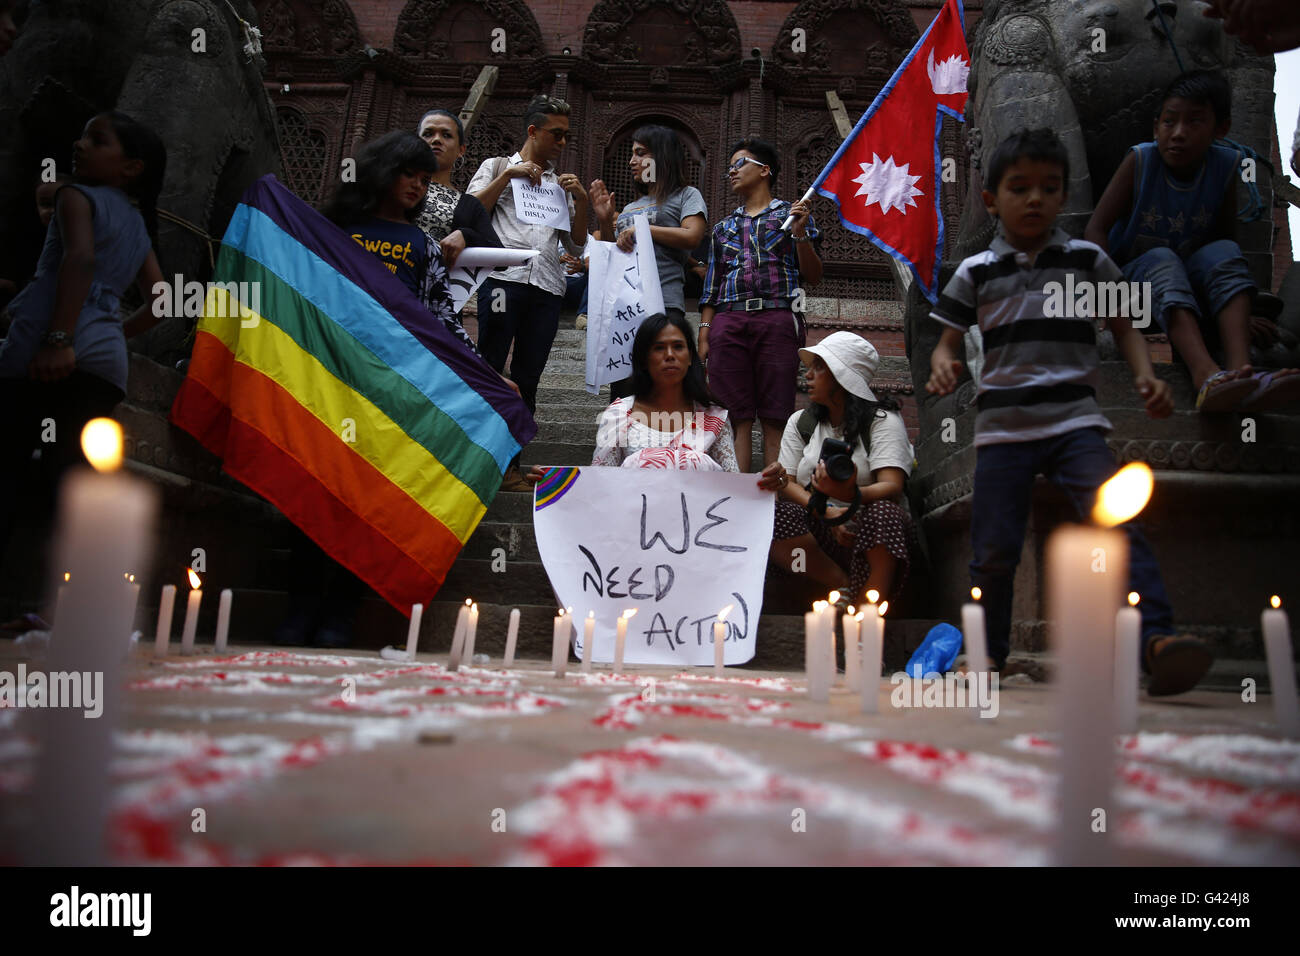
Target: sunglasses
[(740, 163), (560, 135)]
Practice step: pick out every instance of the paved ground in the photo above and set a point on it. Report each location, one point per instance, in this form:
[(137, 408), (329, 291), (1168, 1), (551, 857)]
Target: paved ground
[(316, 757)]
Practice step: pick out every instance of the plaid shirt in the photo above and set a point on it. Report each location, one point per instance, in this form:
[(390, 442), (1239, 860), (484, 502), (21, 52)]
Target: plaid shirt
[(750, 257)]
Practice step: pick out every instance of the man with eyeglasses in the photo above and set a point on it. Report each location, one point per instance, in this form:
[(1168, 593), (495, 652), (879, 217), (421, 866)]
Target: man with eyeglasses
[(749, 335), (521, 304)]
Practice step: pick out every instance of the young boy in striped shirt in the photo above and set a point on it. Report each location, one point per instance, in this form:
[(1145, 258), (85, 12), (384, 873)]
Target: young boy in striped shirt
[(1037, 399)]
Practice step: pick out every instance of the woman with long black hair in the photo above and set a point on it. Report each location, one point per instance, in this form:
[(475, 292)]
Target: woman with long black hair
[(676, 211), (871, 549)]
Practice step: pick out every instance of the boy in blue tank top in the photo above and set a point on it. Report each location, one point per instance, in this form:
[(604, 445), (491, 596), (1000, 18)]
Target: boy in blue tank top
[(1168, 218)]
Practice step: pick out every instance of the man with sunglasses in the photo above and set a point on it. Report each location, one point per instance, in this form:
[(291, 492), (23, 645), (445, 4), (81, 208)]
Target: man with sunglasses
[(749, 335), (521, 304)]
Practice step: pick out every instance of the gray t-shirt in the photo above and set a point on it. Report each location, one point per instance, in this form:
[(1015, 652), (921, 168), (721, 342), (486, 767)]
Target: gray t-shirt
[(684, 203), (121, 245)]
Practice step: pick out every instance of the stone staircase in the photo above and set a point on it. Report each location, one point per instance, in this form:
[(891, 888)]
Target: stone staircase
[(1220, 502)]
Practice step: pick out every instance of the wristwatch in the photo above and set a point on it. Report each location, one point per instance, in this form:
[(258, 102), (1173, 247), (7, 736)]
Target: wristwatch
[(57, 339)]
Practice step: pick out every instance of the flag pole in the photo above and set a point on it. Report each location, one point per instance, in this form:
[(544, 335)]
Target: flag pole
[(785, 226)]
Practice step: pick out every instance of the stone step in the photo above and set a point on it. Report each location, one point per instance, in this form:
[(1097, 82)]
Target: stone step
[(517, 538)]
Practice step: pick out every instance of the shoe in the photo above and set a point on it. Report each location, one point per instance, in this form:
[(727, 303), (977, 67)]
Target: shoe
[(1224, 391), (514, 481), (1272, 391), (294, 630), (1177, 666), (335, 632), (580, 322)]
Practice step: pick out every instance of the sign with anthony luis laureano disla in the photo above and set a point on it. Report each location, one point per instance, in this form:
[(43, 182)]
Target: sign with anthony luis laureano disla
[(678, 546), (546, 204)]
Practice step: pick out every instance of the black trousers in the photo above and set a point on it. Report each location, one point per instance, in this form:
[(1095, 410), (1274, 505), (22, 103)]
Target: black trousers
[(47, 417)]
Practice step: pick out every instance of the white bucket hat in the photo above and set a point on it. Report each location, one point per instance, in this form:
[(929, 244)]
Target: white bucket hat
[(852, 360)]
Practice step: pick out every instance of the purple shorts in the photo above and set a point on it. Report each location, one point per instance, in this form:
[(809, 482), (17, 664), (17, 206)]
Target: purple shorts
[(753, 361)]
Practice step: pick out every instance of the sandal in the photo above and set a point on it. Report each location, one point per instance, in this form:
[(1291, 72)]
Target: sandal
[(1178, 666), (1224, 390), (1272, 391)]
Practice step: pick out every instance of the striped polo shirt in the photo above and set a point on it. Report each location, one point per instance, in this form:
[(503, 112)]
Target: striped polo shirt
[(1040, 374)]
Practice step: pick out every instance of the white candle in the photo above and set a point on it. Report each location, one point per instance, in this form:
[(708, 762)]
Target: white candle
[(458, 637), (134, 589), (105, 524), (972, 629), (512, 637), (831, 613), (413, 631), (560, 650), (809, 644), (1082, 598), (873, 641), (223, 620), (1128, 630), (191, 614), (588, 639), (1281, 668), (620, 640), (163, 634), (720, 641), (852, 654), (471, 629), (819, 683)]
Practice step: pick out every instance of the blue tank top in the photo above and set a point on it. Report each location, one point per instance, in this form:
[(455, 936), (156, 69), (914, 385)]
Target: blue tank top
[(1170, 212), (121, 245)]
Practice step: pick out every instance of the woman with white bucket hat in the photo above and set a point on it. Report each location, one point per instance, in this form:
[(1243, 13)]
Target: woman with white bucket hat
[(864, 538)]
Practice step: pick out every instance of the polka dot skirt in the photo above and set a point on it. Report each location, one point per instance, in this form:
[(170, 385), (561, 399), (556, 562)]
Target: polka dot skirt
[(877, 523)]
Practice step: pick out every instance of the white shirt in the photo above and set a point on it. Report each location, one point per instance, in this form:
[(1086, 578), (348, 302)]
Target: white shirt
[(889, 448), (545, 271)]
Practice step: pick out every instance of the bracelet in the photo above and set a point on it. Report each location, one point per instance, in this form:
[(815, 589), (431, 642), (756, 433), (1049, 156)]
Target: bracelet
[(706, 325), (800, 238)]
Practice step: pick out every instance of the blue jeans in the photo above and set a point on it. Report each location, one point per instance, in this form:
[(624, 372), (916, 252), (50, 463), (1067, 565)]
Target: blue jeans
[(575, 295), (1079, 462), (1202, 283), (529, 319)]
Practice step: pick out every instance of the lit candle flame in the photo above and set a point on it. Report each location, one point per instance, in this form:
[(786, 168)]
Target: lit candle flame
[(1126, 494), (591, 614), (819, 606), (884, 606), (131, 579), (195, 581), (976, 594), (722, 615), (860, 616), (833, 597), (629, 613), (873, 596), (1133, 598), (468, 602), (1275, 601), (67, 575), (851, 610), (474, 608), (101, 441)]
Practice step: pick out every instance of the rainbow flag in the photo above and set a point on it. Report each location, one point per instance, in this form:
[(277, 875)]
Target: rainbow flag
[(343, 401)]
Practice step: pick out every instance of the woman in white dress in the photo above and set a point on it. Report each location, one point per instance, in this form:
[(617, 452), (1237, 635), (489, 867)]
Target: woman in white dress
[(670, 420)]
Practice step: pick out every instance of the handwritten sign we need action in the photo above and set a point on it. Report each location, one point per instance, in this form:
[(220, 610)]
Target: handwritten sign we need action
[(676, 545), (544, 205)]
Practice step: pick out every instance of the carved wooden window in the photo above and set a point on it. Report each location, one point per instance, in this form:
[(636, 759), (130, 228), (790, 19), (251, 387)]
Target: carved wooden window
[(302, 150), (854, 38), (657, 34)]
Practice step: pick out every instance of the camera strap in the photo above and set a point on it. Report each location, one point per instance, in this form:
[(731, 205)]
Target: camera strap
[(817, 506)]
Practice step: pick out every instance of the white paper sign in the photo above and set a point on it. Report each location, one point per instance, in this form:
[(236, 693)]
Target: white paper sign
[(543, 205), (476, 264), (623, 290), (676, 545)]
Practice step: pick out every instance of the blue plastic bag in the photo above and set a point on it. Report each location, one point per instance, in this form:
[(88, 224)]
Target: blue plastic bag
[(937, 652)]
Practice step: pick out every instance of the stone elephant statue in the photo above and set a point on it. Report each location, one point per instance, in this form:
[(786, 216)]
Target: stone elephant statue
[(179, 66)]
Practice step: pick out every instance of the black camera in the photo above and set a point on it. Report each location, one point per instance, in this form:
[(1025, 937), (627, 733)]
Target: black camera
[(837, 456)]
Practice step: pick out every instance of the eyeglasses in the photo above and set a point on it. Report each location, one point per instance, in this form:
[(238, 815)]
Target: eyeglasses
[(740, 163), (560, 135)]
